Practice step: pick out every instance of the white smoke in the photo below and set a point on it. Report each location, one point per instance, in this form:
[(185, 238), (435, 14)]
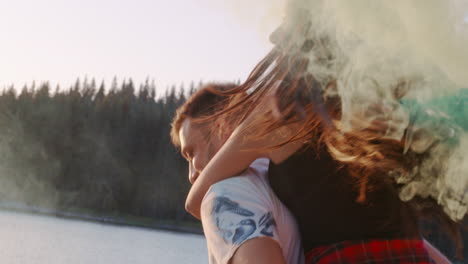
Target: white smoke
[(378, 51)]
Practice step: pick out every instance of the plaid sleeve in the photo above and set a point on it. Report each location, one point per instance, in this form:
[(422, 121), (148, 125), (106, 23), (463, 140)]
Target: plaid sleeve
[(372, 251)]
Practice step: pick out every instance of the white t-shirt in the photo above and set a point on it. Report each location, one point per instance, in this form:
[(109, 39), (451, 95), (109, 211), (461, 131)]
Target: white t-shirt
[(244, 207)]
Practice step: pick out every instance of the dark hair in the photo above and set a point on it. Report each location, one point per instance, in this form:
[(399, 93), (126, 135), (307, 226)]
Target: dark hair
[(205, 102)]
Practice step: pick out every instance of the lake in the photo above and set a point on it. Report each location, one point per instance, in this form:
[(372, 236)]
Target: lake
[(34, 239)]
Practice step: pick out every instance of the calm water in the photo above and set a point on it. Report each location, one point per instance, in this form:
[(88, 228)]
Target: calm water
[(31, 239)]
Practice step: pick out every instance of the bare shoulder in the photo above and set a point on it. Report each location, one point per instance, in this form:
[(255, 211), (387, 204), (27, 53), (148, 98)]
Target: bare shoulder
[(259, 250)]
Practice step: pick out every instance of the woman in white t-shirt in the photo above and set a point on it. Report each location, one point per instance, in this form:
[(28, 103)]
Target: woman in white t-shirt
[(243, 220), (242, 208)]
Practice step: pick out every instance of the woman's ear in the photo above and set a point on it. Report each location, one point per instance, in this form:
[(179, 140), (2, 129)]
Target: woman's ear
[(222, 131)]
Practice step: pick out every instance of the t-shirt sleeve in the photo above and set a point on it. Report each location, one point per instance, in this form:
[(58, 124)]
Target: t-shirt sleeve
[(233, 213)]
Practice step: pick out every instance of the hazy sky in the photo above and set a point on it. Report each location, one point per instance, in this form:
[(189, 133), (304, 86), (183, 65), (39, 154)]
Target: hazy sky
[(172, 41)]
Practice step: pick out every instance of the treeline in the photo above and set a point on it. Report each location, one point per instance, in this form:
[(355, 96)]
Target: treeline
[(107, 150)]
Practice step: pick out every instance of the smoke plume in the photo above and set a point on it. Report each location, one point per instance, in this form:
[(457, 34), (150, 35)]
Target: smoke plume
[(402, 63)]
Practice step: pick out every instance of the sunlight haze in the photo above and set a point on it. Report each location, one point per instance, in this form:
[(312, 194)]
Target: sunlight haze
[(172, 42)]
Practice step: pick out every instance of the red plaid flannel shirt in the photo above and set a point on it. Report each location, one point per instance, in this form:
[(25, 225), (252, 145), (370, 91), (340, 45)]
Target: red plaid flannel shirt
[(394, 251)]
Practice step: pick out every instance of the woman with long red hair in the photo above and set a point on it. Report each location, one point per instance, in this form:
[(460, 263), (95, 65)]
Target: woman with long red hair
[(342, 185)]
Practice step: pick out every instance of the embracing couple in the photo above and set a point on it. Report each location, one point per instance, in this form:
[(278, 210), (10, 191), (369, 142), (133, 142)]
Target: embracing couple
[(264, 196), (276, 176)]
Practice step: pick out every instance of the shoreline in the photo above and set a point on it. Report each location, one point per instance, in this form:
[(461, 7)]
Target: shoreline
[(149, 223)]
